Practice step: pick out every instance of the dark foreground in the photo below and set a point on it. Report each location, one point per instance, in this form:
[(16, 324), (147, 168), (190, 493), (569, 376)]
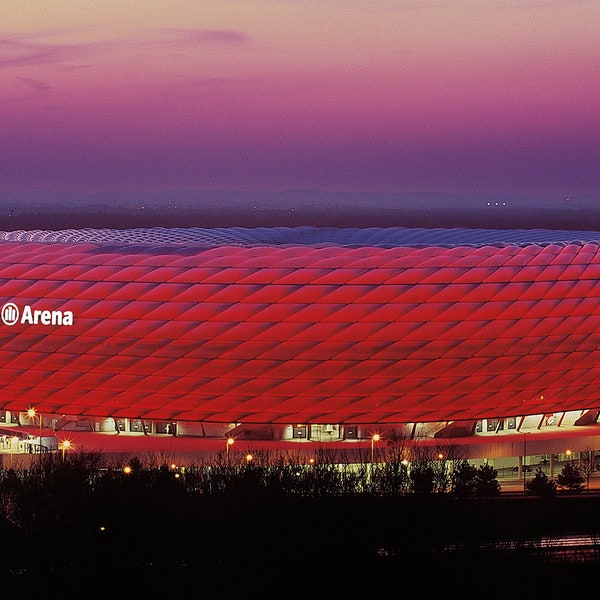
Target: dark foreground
[(335, 547)]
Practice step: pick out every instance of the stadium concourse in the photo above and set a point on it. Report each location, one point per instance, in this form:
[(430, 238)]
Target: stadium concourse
[(477, 340), (514, 455)]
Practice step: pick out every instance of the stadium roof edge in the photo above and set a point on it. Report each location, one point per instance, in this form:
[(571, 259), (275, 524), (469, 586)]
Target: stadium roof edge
[(382, 237)]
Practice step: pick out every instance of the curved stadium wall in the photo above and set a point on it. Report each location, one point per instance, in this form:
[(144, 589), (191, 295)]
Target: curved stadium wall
[(300, 325)]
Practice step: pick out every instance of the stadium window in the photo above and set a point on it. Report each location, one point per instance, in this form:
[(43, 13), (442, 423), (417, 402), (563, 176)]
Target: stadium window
[(495, 424), (299, 431), (350, 432), (166, 428)]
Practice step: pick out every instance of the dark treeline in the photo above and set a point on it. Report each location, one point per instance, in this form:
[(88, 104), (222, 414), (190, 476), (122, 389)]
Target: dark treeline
[(53, 210), (275, 522), (210, 217)]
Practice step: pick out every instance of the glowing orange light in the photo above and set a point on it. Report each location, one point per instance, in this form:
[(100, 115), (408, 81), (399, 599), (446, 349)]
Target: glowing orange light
[(375, 438), (65, 445)]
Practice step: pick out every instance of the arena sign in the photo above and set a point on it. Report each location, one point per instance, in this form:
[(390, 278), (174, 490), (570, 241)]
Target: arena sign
[(11, 315)]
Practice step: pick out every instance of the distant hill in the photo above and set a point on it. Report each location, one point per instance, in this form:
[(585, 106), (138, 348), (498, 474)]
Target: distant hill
[(124, 210)]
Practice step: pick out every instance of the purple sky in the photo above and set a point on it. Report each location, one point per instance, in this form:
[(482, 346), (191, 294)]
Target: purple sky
[(469, 96)]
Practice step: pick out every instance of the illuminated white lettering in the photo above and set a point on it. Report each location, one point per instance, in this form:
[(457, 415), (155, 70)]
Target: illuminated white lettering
[(27, 315), (10, 315)]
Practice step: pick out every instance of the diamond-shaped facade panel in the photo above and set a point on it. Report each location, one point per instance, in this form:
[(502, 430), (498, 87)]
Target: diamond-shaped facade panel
[(302, 325)]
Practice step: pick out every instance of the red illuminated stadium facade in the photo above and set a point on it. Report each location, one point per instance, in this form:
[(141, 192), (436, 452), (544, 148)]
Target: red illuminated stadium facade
[(301, 332)]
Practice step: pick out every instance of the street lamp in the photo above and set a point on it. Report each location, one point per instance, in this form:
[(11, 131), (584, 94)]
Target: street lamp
[(525, 461), (32, 413), (249, 458), (374, 438), (66, 445), (230, 442)]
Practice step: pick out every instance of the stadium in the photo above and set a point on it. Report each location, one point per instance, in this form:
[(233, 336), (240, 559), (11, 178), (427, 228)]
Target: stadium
[(305, 334)]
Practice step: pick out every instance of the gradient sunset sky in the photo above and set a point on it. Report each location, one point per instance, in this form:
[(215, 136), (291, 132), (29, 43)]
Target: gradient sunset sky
[(459, 96)]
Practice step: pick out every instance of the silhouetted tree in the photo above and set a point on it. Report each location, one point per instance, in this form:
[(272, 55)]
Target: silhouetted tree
[(468, 480), (570, 478), (486, 481), (587, 465), (421, 477), (541, 485), (464, 480)]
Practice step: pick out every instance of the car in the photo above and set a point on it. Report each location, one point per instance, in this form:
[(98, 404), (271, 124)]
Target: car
[(525, 468)]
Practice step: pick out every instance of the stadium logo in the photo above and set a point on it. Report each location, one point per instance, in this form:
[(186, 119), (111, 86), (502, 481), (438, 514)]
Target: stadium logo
[(11, 315)]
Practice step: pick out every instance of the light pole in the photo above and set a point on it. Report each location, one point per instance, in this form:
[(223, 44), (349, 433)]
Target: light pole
[(525, 461), (66, 445), (230, 442), (374, 438), (32, 413)]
